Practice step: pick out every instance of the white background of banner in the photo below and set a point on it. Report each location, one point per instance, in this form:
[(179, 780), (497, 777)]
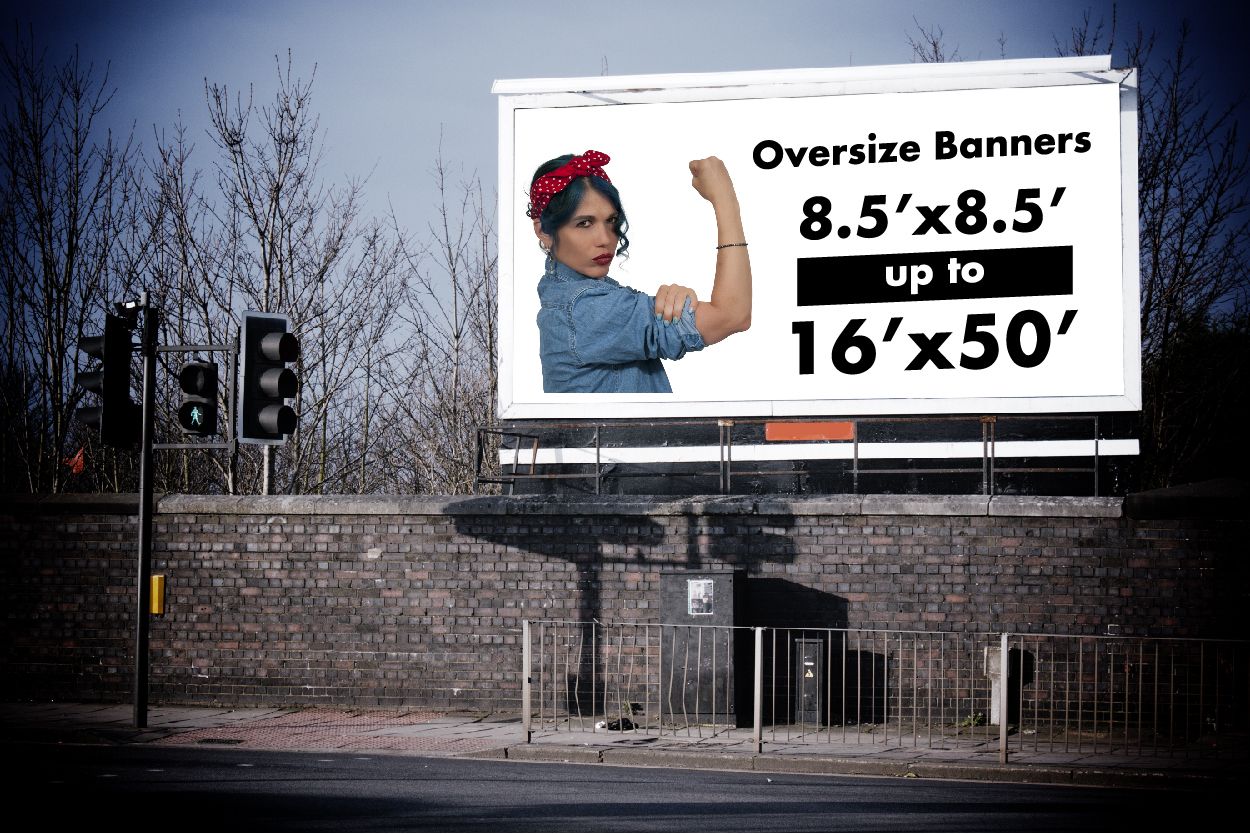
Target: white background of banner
[(1094, 366)]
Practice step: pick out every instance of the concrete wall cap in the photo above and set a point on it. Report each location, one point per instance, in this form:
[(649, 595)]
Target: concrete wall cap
[(810, 505), (557, 505), (1056, 506), (925, 505)]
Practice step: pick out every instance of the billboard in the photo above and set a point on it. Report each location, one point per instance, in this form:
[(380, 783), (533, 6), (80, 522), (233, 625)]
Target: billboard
[(949, 238)]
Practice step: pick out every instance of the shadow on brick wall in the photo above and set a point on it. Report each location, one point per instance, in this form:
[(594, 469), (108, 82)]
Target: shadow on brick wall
[(799, 640), (780, 603), (601, 550), (598, 547)]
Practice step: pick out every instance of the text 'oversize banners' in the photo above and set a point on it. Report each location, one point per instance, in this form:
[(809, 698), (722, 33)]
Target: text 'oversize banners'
[(914, 249)]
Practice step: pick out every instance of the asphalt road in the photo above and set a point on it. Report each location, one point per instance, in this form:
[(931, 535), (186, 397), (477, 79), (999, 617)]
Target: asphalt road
[(148, 788)]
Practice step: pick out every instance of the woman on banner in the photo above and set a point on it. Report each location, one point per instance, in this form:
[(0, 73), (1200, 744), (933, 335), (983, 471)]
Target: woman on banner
[(597, 336)]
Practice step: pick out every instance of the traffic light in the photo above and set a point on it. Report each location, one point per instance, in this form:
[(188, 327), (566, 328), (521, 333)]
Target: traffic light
[(198, 412), (116, 418), (267, 346)]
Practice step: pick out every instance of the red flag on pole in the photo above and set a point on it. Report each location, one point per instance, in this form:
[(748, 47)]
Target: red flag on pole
[(77, 463)]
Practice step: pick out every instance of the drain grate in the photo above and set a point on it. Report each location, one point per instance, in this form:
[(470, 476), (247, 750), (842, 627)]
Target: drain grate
[(219, 741)]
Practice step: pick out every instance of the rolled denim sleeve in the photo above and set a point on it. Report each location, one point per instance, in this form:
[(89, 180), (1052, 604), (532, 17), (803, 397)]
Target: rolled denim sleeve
[(612, 325)]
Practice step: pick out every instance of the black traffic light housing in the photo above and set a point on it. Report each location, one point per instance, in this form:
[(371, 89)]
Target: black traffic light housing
[(198, 412), (117, 418), (267, 346)]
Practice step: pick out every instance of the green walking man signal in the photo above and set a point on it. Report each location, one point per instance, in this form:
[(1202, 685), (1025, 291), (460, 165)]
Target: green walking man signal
[(198, 413)]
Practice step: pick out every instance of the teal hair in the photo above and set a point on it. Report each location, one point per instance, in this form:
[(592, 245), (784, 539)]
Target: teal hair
[(562, 206)]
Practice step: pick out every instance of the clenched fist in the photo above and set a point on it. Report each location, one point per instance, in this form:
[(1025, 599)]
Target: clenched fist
[(711, 179)]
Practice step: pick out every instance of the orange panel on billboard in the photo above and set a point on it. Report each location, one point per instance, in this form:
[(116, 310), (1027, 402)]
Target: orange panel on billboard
[(843, 430)]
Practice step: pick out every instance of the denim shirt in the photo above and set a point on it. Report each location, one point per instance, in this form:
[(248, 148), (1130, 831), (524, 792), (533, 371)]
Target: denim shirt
[(596, 336)]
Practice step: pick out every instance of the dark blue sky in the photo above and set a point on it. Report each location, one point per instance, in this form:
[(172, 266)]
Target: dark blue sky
[(391, 77)]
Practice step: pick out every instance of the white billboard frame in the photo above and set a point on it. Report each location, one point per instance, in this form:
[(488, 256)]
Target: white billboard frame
[(513, 227)]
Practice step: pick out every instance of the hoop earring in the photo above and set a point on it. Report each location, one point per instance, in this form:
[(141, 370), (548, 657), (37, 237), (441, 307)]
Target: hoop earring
[(550, 266)]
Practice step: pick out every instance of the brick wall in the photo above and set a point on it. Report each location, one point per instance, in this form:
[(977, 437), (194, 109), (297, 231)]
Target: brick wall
[(379, 601)]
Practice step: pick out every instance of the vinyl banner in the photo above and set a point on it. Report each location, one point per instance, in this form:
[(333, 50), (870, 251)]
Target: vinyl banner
[(919, 243)]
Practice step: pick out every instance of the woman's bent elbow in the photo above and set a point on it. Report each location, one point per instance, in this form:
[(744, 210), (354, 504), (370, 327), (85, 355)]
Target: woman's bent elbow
[(727, 329), (740, 324), (717, 325)]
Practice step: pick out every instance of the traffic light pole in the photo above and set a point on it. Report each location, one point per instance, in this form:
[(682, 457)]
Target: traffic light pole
[(274, 346), (115, 419), (147, 348)]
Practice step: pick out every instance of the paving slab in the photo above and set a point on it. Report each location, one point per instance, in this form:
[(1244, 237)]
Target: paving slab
[(433, 733)]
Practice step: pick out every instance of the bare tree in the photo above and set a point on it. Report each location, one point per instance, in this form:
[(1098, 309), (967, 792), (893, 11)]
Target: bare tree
[(928, 47), (82, 218), (186, 274), (447, 379), (1089, 36), (291, 244), (1194, 233), (70, 242), (1194, 193)]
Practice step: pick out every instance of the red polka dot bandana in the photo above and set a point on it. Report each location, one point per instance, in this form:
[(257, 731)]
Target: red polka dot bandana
[(589, 164)]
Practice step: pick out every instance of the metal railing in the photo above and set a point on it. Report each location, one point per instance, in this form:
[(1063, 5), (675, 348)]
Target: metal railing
[(516, 448), (948, 690)]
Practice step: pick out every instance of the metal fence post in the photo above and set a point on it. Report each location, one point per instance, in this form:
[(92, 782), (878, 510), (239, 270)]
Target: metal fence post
[(659, 682), (757, 700), (527, 690), (1049, 686), (1004, 700)]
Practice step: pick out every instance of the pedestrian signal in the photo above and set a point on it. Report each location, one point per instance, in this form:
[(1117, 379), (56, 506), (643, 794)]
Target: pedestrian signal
[(198, 413)]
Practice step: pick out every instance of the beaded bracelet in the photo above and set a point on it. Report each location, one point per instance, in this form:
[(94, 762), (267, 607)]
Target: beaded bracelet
[(727, 245)]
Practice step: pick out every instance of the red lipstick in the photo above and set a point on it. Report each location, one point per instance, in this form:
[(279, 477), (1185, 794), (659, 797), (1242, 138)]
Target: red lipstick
[(603, 260)]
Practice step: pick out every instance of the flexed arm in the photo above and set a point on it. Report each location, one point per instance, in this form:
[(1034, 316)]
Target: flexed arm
[(729, 309)]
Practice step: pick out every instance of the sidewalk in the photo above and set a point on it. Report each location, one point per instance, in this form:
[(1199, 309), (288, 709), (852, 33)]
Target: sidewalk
[(428, 733)]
